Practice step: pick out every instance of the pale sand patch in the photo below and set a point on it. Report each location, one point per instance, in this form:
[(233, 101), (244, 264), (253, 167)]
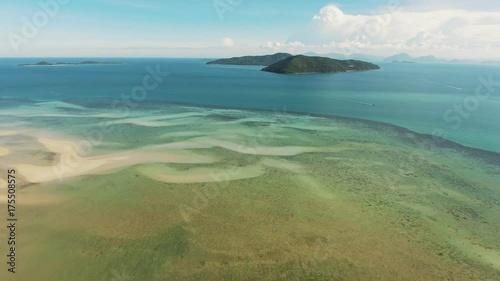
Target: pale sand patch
[(74, 166), (60, 104), (101, 115), (238, 131), (232, 112), (183, 115), (57, 145), (3, 184), (50, 140), (208, 142), (160, 120), (229, 132), (15, 124), (308, 127), (71, 164), (4, 151), (7, 133), (37, 112), (200, 175), (63, 146), (249, 120), (223, 110), (182, 134)]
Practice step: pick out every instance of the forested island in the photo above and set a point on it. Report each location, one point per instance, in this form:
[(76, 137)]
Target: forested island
[(44, 63), (303, 64), (252, 60)]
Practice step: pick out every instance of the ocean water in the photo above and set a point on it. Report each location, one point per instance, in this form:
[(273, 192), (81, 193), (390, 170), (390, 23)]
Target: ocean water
[(180, 192), (426, 98)]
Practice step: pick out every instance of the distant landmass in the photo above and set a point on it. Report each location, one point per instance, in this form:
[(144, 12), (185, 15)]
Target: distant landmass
[(399, 58), (303, 64), (252, 60), (404, 57), (44, 63), (491, 62)]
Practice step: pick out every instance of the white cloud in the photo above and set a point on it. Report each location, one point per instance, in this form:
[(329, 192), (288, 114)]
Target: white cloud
[(448, 33), (290, 47), (469, 5), (228, 42)]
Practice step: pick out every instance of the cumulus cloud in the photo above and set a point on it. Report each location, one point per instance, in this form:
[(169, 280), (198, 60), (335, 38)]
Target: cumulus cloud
[(290, 47), (228, 42), (469, 5), (442, 32)]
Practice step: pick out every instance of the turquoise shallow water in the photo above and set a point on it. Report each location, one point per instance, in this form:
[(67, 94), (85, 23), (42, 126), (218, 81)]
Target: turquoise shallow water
[(414, 96)]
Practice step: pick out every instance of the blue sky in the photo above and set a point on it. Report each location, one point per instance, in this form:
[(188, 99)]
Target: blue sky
[(213, 28)]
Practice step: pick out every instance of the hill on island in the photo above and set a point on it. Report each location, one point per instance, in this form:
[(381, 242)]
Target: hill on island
[(252, 60), (302, 64), (353, 56)]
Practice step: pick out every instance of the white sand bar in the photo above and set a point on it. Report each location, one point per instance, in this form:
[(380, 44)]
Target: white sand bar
[(71, 164)]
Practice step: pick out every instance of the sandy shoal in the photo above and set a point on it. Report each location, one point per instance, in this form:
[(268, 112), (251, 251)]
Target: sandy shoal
[(71, 164), (60, 104), (4, 151), (209, 142), (200, 175), (160, 120), (6, 133), (205, 175)]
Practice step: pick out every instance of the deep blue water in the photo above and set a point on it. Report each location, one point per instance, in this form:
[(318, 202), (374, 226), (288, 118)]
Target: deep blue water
[(415, 96)]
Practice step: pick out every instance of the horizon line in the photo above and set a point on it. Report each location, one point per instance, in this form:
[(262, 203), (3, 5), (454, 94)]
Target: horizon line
[(215, 57)]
